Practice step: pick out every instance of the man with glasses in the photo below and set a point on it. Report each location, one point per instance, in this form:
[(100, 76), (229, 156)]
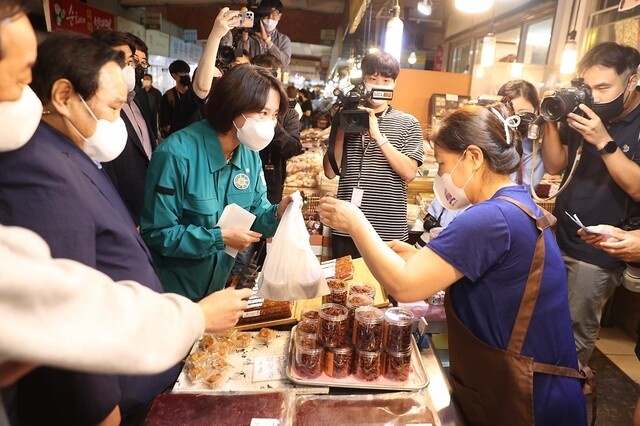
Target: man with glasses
[(129, 169), (268, 39)]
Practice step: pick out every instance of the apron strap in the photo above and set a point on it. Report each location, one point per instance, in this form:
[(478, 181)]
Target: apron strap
[(532, 287)]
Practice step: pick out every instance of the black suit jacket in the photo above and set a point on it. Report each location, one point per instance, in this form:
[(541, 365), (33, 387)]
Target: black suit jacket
[(128, 171)]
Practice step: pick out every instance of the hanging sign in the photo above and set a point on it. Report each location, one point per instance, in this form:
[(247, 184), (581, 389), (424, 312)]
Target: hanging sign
[(71, 15)]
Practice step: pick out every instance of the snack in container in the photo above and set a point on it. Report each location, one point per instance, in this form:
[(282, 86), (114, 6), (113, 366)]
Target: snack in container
[(214, 380), (333, 324), (226, 334), (207, 341), (266, 335), (198, 358), (344, 268), (196, 374), (241, 340), (354, 301), (310, 314), (397, 365), (363, 288), (368, 328), (368, 365), (338, 292), (338, 361), (307, 330), (308, 358), (397, 329)]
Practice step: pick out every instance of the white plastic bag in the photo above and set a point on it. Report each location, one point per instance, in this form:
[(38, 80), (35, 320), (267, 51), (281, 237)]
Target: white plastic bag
[(291, 270)]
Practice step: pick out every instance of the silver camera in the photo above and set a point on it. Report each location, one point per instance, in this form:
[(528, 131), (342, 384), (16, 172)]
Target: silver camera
[(631, 277)]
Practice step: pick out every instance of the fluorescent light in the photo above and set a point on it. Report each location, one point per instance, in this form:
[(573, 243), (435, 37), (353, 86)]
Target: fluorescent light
[(516, 69), (473, 6), (412, 58), (424, 7), (393, 38), (569, 57), (488, 50)]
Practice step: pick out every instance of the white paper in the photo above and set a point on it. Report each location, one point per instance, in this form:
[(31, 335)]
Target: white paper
[(234, 216), (267, 368)]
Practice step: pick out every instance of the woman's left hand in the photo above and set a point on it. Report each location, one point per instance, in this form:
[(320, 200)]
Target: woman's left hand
[(283, 206), (339, 215)]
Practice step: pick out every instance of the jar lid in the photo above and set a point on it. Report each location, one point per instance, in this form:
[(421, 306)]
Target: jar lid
[(359, 299), (369, 315), (398, 316), (343, 349), (333, 311)]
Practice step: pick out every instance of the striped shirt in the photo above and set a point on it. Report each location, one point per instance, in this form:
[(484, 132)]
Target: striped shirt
[(384, 202)]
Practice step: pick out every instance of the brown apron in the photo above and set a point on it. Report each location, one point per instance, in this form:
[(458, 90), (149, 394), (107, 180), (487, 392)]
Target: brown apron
[(495, 386)]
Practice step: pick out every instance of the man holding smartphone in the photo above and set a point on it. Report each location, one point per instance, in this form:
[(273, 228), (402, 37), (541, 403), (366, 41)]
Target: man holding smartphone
[(268, 39)]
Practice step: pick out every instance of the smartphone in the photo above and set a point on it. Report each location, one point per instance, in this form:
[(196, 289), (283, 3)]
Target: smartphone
[(246, 18)]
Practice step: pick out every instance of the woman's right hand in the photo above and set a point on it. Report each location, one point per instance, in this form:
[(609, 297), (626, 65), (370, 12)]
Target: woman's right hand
[(223, 309), (239, 238)]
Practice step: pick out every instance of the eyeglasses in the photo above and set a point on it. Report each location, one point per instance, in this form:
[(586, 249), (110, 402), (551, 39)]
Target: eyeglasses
[(143, 64)]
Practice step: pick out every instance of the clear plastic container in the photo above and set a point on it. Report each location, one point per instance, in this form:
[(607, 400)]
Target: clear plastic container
[(308, 358), (397, 329), (339, 292), (333, 325), (338, 361), (363, 288), (355, 301), (368, 328), (307, 330), (368, 365), (310, 314), (397, 365)]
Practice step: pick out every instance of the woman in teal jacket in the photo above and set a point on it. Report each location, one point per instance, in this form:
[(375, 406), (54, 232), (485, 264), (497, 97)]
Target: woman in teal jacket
[(196, 172)]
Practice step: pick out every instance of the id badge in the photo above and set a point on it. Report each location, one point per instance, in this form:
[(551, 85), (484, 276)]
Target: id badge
[(356, 196)]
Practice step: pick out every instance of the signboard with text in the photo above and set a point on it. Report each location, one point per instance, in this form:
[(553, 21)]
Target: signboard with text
[(71, 15)]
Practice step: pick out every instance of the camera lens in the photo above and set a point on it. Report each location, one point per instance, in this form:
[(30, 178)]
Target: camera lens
[(553, 108)]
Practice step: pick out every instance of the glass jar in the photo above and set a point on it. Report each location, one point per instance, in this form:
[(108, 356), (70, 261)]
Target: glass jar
[(363, 288), (368, 328), (397, 365), (397, 329), (355, 301), (333, 324), (308, 358), (367, 365), (338, 361), (338, 289)]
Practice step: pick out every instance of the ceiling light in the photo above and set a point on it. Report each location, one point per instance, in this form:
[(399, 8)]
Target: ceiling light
[(393, 38), (488, 50), (473, 6), (424, 7), (412, 58), (569, 55)]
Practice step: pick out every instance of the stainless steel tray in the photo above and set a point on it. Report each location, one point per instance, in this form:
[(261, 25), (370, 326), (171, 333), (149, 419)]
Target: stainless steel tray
[(418, 377)]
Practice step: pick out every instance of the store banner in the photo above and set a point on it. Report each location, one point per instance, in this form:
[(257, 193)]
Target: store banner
[(71, 15)]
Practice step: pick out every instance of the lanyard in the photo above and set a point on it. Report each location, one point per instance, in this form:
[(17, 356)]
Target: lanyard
[(365, 148)]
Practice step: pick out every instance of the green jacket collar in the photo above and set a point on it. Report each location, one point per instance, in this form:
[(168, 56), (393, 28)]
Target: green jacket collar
[(215, 155)]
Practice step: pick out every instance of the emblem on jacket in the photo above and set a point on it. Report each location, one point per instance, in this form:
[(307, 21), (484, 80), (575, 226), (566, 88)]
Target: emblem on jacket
[(241, 181)]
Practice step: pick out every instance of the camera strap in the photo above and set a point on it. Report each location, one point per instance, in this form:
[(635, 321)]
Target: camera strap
[(331, 149), (365, 148), (574, 166)]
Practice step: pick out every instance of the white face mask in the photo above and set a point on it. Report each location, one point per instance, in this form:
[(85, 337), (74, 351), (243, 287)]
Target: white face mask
[(129, 74), (371, 87), (108, 141), (19, 120), (256, 135), (450, 195), (269, 24)]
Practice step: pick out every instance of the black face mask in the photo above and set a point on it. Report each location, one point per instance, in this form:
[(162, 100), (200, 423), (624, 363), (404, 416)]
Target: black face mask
[(525, 120), (185, 80), (139, 74), (608, 110)]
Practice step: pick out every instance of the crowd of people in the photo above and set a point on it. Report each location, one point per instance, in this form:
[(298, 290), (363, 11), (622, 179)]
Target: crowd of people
[(110, 195)]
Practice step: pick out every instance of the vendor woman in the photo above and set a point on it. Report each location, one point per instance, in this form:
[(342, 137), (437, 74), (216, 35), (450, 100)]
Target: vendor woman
[(196, 172), (513, 360)]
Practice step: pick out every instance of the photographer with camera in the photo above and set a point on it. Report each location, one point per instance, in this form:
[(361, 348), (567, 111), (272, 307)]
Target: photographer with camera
[(603, 131), (375, 165), (179, 104), (264, 36)]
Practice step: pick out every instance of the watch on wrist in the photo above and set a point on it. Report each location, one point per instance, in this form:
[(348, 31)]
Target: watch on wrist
[(609, 148)]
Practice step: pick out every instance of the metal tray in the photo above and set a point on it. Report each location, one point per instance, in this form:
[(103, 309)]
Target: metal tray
[(417, 380)]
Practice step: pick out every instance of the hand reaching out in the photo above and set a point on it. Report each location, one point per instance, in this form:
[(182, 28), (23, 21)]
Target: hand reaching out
[(224, 308), (402, 249), (338, 214)]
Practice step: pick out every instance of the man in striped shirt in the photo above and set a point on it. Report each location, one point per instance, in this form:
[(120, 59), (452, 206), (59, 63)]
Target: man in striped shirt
[(376, 166)]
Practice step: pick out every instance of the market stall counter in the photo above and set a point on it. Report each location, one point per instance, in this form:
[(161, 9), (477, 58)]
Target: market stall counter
[(250, 378)]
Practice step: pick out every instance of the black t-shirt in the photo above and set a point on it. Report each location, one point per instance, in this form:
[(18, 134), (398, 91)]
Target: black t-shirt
[(179, 109), (592, 193)]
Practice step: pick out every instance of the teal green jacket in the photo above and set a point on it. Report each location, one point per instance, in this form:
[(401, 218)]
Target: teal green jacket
[(188, 185)]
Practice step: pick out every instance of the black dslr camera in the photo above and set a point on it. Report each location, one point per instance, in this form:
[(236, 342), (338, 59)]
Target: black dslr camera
[(565, 101), (353, 119), (226, 56)]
